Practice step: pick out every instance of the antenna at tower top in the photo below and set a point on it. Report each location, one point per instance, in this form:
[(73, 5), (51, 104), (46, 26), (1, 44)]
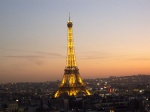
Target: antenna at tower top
[(69, 16)]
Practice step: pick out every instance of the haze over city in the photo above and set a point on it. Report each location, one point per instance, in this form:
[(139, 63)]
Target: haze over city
[(111, 38)]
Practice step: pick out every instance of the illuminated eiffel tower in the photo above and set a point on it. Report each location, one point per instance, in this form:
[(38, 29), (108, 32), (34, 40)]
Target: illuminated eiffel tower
[(71, 83)]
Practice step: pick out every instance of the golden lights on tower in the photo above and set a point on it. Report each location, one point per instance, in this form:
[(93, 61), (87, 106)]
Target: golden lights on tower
[(72, 82)]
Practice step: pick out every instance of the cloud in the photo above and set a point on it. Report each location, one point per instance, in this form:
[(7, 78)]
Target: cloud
[(35, 52), (35, 57), (1, 70), (14, 50), (93, 57), (109, 56), (32, 58), (101, 55), (139, 59), (49, 54)]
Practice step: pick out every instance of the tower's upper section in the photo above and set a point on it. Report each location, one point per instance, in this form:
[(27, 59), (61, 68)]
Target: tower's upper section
[(71, 61)]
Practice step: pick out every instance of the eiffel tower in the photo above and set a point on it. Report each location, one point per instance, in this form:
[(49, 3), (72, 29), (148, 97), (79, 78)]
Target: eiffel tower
[(71, 83)]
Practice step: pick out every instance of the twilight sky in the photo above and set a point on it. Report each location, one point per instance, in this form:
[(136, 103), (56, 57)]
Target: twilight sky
[(112, 38)]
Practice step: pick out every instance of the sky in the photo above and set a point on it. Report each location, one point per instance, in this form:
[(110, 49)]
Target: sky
[(112, 38)]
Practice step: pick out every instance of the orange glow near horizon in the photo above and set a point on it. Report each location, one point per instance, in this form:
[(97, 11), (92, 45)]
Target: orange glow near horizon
[(88, 69)]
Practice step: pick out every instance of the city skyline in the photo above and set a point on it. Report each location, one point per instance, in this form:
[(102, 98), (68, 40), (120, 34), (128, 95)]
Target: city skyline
[(111, 38)]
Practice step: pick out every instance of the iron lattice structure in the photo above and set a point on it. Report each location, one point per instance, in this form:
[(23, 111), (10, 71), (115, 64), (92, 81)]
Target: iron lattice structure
[(72, 82)]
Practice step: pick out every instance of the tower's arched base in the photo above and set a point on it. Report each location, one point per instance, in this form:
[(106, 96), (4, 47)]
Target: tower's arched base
[(71, 91), (71, 84)]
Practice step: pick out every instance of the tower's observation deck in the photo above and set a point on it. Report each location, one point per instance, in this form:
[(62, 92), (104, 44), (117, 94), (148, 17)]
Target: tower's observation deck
[(71, 83), (69, 24)]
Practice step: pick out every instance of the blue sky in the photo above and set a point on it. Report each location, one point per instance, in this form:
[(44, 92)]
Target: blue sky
[(111, 38)]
